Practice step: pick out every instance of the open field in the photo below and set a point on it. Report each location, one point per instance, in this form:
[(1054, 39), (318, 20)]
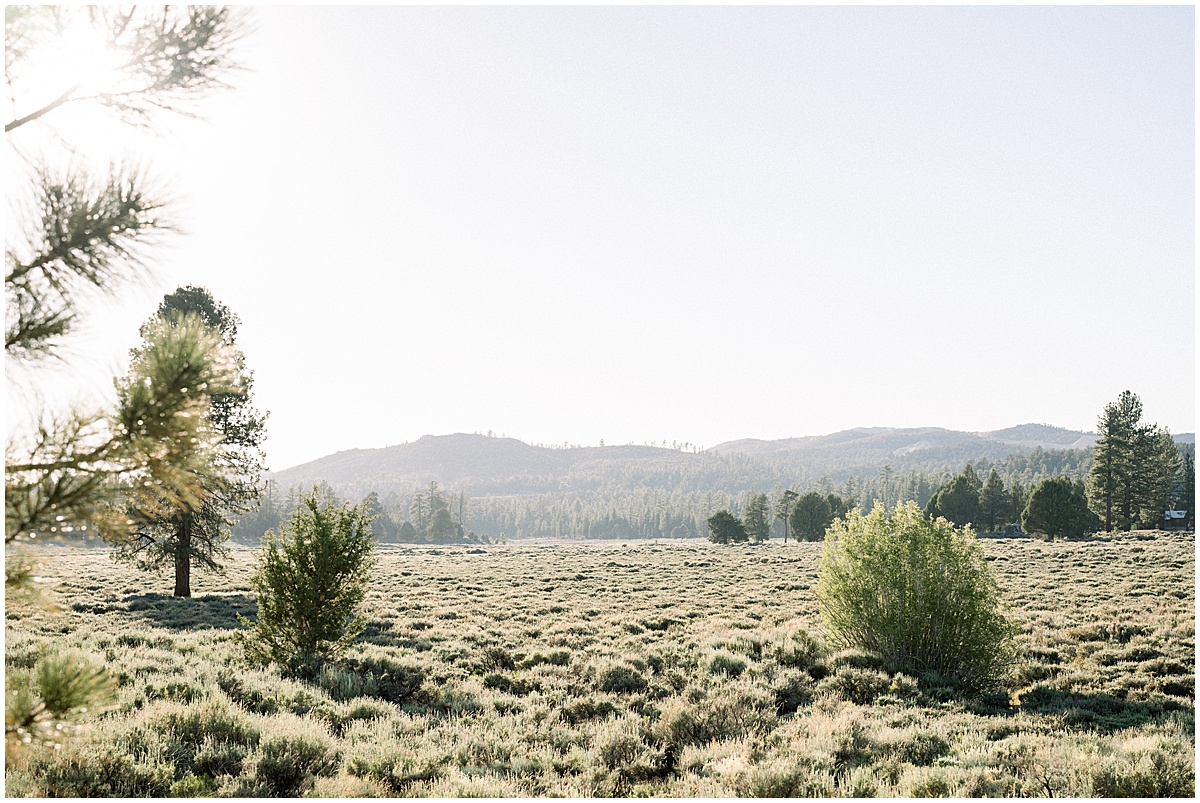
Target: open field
[(679, 668)]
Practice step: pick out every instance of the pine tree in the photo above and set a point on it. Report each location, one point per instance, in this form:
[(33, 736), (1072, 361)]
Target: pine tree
[(1133, 465), (311, 579), (758, 518), (1183, 494), (993, 503), (81, 233), (783, 510), (187, 536), (725, 528), (1057, 508), (957, 500), (811, 516)]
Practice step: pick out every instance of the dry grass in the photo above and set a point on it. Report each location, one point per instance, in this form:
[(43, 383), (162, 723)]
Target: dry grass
[(606, 669)]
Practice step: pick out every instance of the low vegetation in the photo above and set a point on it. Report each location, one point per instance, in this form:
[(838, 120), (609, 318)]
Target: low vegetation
[(611, 669)]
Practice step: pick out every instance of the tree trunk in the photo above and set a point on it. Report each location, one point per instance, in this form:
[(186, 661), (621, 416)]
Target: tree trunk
[(183, 559)]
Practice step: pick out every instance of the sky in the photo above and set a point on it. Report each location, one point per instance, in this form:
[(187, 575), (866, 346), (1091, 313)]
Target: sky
[(681, 224)]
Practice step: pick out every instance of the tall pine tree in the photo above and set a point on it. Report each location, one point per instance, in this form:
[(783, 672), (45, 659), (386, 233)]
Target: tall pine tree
[(993, 503), (183, 536), (1133, 465)]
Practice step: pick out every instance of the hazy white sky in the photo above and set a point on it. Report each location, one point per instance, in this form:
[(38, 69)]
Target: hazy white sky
[(691, 224)]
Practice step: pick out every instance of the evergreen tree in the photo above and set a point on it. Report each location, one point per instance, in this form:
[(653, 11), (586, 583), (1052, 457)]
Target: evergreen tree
[(81, 232), (381, 523), (1133, 465), (1184, 491), (957, 500), (1017, 499), (1157, 462), (993, 503), (442, 527), (783, 510), (758, 518), (726, 528), (839, 508), (1058, 508), (972, 479), (811, 515), (1107, 473), (408, 534), (311, 579), (188, 535)]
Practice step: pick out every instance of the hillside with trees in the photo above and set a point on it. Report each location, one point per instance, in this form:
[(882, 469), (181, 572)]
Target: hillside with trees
[(493, 487)]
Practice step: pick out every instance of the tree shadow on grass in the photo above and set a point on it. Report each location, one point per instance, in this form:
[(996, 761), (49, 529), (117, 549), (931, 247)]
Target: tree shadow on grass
[(208, 612), (1101, 713)]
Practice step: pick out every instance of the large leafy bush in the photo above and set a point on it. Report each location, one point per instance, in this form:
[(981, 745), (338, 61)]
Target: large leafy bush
[(918, 592)]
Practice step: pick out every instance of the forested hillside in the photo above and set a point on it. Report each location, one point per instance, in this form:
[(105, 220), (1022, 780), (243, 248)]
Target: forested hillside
[(494, 487), (483, 465)]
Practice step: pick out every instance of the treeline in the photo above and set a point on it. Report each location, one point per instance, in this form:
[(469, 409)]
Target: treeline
[(664, 500), (1137, 473), (430, 516)]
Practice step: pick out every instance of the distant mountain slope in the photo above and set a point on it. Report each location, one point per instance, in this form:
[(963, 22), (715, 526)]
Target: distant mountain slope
[(879, 441), (1043, 435), (448, 459), (484, 466), (865, 448)]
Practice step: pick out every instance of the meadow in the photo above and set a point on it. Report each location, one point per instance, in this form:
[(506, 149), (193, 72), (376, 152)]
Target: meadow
[(676, 668)]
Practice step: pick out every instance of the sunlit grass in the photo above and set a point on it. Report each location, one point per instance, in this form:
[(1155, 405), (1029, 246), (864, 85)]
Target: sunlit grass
[(674, 669)]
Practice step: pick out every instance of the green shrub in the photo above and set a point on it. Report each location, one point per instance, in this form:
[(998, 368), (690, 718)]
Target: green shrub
[(856, 658), (618, 745), (921, 748), (785, 780), (856, 685), (209, 738), (556, 658), (798, 650), (929, 783), (509, 685), (213, 721), (371, 676), (499, 658), (395, 768), (621, 679), (106, 772), (917, 592), (310, 581), (792, 689), (726, 663), (733, 711), (1156, 773), (586, 709), (852, 746), (194, 786), (288, 763), (265, 693), (904, 686)]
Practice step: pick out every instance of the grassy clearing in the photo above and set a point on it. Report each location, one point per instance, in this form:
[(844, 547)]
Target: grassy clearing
[(671, 669)]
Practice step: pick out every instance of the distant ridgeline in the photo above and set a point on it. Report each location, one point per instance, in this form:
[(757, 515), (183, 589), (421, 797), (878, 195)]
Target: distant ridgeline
[(476, 488)]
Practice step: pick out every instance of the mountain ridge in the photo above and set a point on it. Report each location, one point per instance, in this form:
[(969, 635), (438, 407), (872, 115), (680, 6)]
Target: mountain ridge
[(489, 465)]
